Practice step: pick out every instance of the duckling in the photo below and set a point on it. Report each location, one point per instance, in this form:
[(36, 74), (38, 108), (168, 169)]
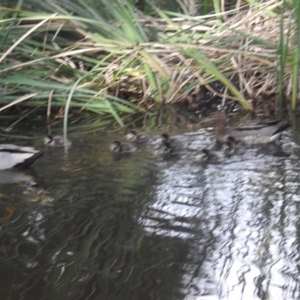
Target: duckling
[(13, 156), (57, 141), (213, 157), (117, 147), (171, 140), (137, 137), (234, 146), (166, 138), (168, 149)]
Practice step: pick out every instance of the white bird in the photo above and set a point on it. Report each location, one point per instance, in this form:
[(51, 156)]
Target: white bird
[(13, 156)]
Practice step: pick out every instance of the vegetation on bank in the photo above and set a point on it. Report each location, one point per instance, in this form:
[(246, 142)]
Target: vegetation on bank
[(116, 60)]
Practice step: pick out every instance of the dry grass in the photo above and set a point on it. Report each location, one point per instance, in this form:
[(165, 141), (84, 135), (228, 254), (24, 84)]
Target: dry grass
[(249, 54)]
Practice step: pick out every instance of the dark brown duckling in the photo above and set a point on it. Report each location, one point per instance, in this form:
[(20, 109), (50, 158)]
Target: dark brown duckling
[(213, 157), (167, 148), (57, 141), (166, 138), (117, 147), (170, 144), (171, 140), (234, 146), (137, 137)]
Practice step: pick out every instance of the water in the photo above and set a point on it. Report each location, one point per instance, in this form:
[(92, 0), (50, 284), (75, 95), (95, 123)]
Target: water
[(147, 228)]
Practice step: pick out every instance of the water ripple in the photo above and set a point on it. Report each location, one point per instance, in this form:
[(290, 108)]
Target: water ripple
[(146, 228)]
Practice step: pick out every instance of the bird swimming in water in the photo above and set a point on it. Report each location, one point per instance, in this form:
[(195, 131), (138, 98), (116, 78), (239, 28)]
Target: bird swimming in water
[(13, 156), (172, 141), (211, 156), (117, 147), (57, 141), (137, 137), (250, 133), (233, 146)]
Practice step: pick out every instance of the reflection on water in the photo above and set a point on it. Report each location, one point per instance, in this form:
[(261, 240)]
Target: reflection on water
[(142, 227), (16, 176)]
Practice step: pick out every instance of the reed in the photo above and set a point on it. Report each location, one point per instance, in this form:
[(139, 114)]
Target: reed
[(115, 60)]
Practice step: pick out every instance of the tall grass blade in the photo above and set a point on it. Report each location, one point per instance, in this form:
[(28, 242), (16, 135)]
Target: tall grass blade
[(211, 68), (296, 56), (283, 44)]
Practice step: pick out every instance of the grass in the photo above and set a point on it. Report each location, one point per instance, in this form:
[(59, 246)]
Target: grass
[(114, 60)]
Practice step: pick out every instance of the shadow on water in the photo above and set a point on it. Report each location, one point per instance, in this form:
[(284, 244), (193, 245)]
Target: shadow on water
[(147, 228)]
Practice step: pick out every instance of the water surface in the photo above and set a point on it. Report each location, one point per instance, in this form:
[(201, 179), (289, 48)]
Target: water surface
[(143, 227)]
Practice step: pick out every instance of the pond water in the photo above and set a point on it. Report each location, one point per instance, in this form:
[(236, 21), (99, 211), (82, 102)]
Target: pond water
[(143, 227)]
